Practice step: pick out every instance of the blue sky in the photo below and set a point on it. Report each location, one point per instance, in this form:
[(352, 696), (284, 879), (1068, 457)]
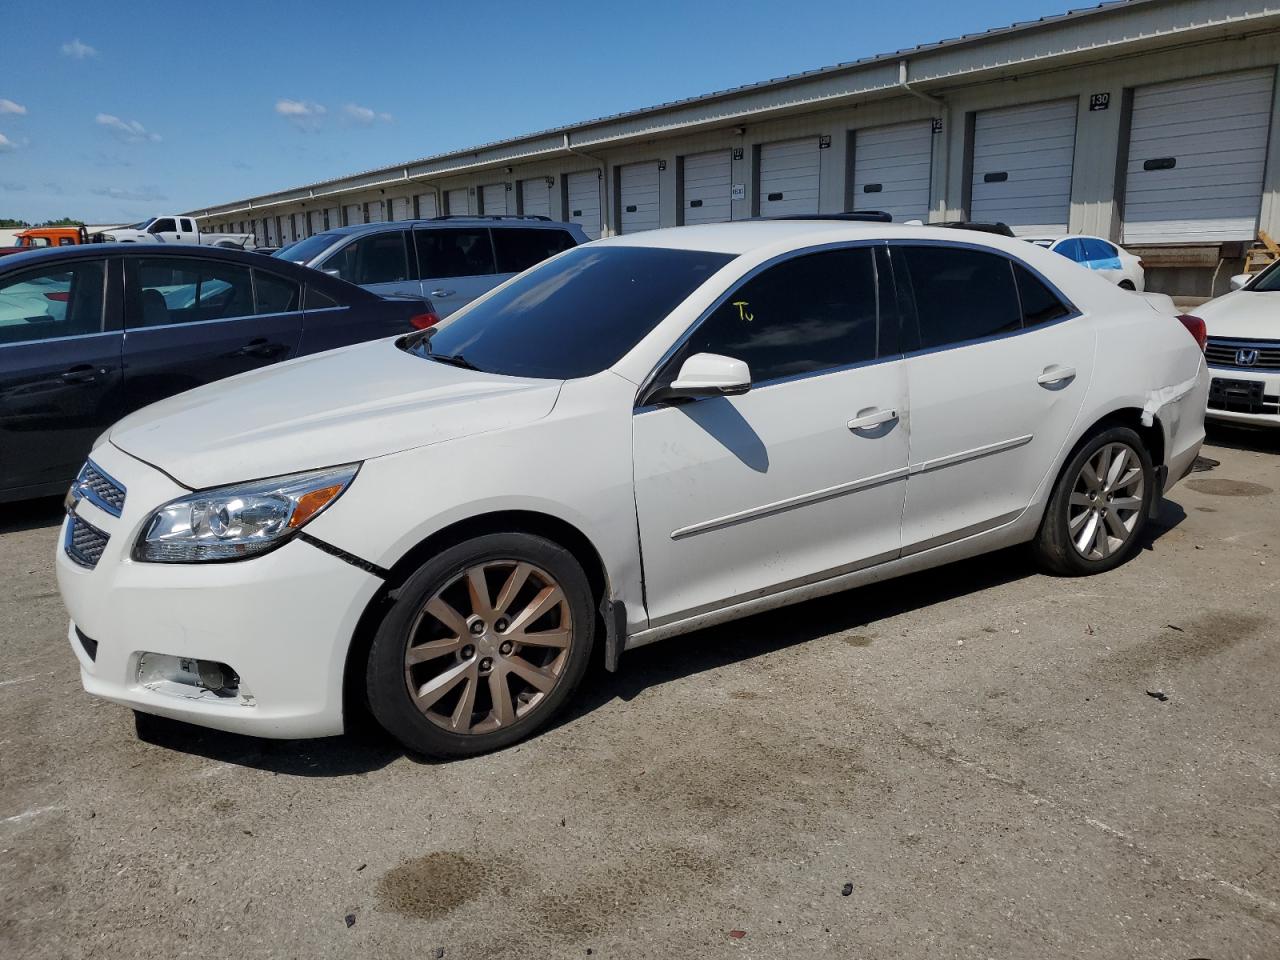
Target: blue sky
[(120, 110)]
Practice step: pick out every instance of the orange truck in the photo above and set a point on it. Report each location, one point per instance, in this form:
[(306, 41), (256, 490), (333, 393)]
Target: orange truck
[(36, 237)]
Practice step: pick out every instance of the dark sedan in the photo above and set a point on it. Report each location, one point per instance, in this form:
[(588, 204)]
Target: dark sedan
[(89, 334)]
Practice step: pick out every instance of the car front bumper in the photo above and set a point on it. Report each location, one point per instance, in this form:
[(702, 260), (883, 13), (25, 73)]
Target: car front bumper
[(282, 622), (1244, 396)]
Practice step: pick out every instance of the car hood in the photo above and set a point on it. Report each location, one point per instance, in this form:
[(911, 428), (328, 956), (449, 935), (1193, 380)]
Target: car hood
[(331, 408), (1243, 315)]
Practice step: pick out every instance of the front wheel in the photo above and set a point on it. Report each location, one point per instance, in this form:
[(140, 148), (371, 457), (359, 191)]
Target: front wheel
[(1099, 505), (484, 644)]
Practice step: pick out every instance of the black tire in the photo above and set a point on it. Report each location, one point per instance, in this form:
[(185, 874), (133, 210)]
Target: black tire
[(390, 700), (1054, 546)]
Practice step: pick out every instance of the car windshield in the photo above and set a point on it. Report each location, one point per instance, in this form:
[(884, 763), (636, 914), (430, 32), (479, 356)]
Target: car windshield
[(572, 316), (304, 251), (1268, 281), (141, 224)]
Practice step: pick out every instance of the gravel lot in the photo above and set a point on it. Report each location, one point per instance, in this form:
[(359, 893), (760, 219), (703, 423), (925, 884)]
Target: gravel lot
[(973, 750)]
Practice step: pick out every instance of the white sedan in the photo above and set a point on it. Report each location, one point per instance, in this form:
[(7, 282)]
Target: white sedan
[(1093, 253), (1244, 350), (637, 438)]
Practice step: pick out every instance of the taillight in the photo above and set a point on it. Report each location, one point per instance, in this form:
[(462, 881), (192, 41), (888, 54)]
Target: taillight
[(1195, 326), (424, 320)]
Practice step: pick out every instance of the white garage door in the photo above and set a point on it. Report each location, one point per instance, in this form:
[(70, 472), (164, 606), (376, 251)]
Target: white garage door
[(317, 221), (374, 212), (273, 234), (583, 191), (401, 208), (355, 214), (638, 197), (891, 168), (493, 198), (535, 197), (1022, 159), (706, 186), (427, 206), (334, 218), (1197, 152), (456, 202), (789, 177)]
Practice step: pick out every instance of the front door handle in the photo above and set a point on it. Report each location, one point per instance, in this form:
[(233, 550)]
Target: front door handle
[(80, 373), (874, 418), (1055, 374), (442, 293), (259, 347)]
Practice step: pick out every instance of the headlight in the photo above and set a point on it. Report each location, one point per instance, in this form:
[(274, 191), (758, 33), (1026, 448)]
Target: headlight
[(239, 521)]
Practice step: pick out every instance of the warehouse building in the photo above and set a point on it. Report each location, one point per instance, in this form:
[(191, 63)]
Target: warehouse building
[(1150, 122)]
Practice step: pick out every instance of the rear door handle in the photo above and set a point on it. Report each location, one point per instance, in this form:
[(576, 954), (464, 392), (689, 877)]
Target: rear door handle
[(872, 419), (441, 292), (1055, 374), (80, 373), (259, 347)]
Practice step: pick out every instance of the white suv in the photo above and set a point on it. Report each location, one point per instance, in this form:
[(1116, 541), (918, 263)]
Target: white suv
[(632, 440)]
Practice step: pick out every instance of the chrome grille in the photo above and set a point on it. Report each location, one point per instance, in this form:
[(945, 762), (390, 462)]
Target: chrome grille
[(84, 542), (100, 488), (1232, 353)]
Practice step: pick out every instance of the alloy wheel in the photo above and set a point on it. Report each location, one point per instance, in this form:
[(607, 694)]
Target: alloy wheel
[(1106, 501), (489, 647)]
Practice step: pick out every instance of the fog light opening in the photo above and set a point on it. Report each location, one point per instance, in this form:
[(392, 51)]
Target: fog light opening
[(191, 678)]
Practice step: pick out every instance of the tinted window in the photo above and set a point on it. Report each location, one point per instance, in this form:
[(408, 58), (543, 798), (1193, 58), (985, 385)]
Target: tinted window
[(1039, 303), (275, 294), (315, 300), (164, 225), (519, 248), (809, 313), (304, 251), (378, 258), (186, 290), (454, 253), (186, 226), (576, 315), (66, 242), (63, 300), (961, 294)]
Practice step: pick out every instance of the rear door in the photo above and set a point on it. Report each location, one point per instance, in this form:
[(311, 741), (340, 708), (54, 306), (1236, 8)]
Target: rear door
[(456, 264), (380, 262), (998, 371), (60, 370), (193, 320)]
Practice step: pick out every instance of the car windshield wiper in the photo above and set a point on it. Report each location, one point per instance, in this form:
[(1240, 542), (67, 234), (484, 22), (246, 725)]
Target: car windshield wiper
[(453, 359)]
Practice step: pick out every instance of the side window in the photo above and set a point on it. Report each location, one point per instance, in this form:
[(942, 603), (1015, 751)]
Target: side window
[(274, 294), (186, 226), (454, 253), (377, 258), (1100, 255), (186, 290), (810, 313), (57, 301), (66, 242), (961, 294), (163, 225), (316, 300), (519, 248), (1039, 303)]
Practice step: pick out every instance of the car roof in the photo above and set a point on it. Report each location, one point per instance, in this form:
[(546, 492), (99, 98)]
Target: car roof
[(745, 236), (451, 221)]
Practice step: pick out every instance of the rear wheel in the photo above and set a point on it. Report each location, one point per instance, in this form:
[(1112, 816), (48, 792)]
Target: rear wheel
[(485, 643), (1099, 505)]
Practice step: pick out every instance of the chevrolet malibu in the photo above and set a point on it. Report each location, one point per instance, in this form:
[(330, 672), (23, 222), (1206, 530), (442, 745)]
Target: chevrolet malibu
[(635, 439)]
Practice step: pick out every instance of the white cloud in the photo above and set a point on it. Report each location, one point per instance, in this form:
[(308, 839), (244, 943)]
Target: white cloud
[(6, 144), (365, 116), (303, 114), (78, 50), (130, 131), (8, 106), (142, 194)]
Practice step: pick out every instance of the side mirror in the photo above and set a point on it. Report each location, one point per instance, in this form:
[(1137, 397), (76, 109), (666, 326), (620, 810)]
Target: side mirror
[(706, 375), (1239, 280)]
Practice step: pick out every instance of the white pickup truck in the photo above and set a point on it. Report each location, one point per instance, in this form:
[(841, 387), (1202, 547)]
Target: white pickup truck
[(175, 229)]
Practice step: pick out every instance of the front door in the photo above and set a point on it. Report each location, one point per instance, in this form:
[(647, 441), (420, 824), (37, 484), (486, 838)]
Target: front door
[(59, 372), (457, 265), (997, 377), (191, 320), (802, 478)]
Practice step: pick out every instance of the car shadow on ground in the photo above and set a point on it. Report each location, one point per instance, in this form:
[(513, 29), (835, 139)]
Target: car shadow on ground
[(1250, 439), (366, 748), (30, 514)]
